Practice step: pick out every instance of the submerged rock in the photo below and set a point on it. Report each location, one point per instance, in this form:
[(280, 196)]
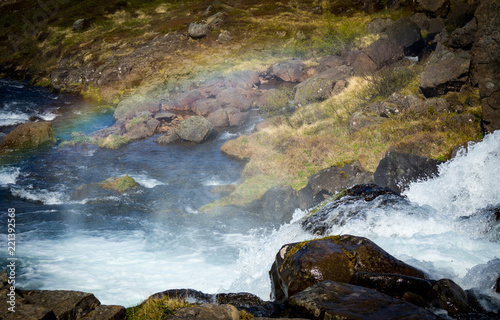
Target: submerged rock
[(334, 300), (29, 135), (109, 187), (300, 265)]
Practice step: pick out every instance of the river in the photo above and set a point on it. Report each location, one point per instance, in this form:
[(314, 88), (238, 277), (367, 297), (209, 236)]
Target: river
[(124, 248)]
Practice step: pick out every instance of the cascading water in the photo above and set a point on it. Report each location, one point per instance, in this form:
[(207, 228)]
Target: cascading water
[(126, 247)]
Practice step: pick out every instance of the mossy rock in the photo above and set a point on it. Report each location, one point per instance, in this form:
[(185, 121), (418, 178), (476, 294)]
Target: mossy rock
[(113, 141), (300, 265), (120, 185)]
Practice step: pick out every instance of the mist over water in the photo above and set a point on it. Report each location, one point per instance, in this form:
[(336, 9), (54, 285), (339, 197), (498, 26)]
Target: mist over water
[(123, 248)]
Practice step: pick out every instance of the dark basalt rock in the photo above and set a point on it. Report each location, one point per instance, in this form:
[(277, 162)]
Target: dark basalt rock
[(300, 265), (327, 182), (292, 70), (397, 170), (352, 203), (277, 205), (486, 55), (334, 300)]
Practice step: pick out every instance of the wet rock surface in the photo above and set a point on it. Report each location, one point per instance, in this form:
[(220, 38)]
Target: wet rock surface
[(301, 265), (29, 135), (334, 300)]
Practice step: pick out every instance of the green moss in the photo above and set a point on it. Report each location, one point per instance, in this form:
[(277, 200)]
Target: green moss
[(137, 120), (77, 139), (44, 82), (119, 184), (156, 309), (113, 141)]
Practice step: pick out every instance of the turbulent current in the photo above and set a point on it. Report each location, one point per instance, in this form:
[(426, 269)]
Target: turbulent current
[(124, 248)]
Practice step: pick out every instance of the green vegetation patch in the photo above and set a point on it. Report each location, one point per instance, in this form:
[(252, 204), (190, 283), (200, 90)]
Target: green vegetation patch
[(121, 184), (156, 309)]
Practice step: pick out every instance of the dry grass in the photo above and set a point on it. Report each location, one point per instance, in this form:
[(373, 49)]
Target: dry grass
[(155, 309)]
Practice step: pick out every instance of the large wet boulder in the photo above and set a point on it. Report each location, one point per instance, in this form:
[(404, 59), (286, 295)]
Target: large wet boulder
[(291, 70), (320, 87), (327, 182), (54, 304), (486, 54), (397, 170), (300, 265), (195, 129), (29, 135), (446, 71), (334, 300)]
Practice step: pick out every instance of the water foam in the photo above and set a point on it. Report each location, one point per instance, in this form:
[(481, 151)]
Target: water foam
[(39, 195), (146, 181), (427, 233), (9, 175)]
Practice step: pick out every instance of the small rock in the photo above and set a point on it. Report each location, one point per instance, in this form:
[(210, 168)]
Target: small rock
[(225, 36), (80, 25), (299, 35), (217, 20), (165, 116), (198, 30)]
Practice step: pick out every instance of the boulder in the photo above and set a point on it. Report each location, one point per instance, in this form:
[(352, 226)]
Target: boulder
[(237, 119), (334, 300), (461, 12), (356, 203), (445, 71), (245, 79), (277, 205), (406, 33), (169, 137), (300, 265), (486, 53), (195, 129), (184, 101), (204, 107), (411, 289), (129, 107), (320, 86), (219, 118), (380, 53), (434, 7), (106, 132), (329, 181), (422, 20), (119, 185), (463, 38), (397, 170), (329, 62), (28, 135), (450, 297), (291, 70), (379, 25), (197, 30), (235, 98)]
